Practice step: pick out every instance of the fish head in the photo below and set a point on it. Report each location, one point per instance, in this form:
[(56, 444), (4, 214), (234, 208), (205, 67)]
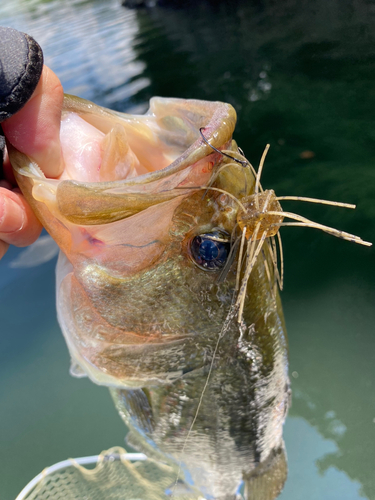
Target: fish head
[(145, 215)]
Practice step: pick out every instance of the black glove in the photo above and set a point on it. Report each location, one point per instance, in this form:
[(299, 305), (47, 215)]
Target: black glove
[(21, 64)]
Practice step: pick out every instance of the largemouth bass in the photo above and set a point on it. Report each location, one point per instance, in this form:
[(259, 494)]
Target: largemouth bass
[(167, 286)]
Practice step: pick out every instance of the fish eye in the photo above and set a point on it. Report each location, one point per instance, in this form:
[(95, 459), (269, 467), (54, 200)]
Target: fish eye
[(210, 250)]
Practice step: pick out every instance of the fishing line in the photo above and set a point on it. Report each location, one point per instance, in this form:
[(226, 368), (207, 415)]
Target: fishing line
[(229, 317)]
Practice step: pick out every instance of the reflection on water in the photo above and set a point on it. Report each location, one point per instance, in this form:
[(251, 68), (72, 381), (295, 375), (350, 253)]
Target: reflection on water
[(300, 75), (338, 400), (306, 449), (88, 44)]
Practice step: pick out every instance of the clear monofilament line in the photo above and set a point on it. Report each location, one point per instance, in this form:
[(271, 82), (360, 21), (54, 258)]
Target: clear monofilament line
[(225, 327), (281, 260)]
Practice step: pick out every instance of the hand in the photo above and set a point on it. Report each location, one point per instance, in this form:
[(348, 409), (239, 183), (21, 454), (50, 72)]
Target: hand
[(31, 99)]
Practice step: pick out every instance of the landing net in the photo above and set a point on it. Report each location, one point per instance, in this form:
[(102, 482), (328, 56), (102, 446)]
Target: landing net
[(117, 475)]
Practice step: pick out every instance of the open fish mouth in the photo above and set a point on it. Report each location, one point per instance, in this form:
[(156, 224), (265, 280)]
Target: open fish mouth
[(150, 155), (109, 154)]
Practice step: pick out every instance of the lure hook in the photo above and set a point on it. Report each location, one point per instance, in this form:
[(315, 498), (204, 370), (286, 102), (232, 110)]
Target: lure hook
[(244, 163)]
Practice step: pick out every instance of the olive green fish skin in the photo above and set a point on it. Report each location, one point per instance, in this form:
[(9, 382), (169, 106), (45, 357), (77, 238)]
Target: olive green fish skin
[(240, 419)]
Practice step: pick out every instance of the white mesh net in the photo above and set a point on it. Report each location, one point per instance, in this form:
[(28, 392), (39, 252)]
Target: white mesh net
[(116, 476)]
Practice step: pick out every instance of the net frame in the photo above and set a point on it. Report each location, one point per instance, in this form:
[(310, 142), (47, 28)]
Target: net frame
[(72, 462)]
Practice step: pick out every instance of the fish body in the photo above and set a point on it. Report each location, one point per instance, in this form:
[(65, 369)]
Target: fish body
[(145, 215)]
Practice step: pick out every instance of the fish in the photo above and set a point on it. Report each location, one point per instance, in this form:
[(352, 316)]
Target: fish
[(167, 286)]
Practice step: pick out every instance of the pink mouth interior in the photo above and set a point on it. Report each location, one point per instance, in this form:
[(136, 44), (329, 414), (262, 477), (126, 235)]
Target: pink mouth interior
[(91, 156)]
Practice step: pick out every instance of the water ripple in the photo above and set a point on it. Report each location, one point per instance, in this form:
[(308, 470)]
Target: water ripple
[(89, 45)]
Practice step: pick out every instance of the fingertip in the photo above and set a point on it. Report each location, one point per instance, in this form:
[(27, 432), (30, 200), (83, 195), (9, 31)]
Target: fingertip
[(48, 153), (18, 224)]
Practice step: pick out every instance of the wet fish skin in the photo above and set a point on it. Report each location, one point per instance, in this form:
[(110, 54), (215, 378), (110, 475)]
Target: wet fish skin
[(245, 404), (140, 316)]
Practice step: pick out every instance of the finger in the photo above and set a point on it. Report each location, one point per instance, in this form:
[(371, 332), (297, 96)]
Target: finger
[(7, 173), (35, 129), (18, 224)]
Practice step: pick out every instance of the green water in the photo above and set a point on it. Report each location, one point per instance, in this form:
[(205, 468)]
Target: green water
[(301, 77)]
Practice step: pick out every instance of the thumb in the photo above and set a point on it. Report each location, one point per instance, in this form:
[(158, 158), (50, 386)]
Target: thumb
[(35, 129)]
